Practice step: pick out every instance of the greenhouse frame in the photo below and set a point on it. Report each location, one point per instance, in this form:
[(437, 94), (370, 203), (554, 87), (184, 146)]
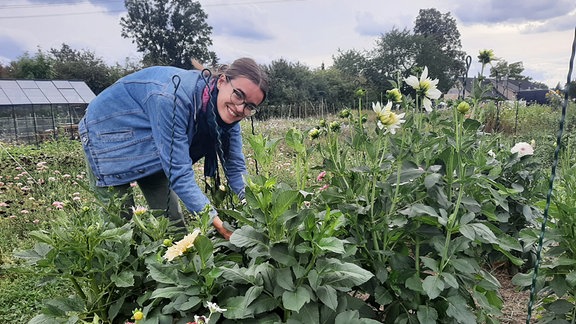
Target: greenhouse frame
[(32, 111)]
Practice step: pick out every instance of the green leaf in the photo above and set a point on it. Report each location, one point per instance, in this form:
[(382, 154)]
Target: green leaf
[(252, 294), (414, 283), (341, 274), (383, 296), (433, 286), (426, 315), (124, 279), (523, 279), (478, 231), (329, 296), (284, 279), (236, 308), (280, 253), (332, 244), (162, 274), (459, 310), (450, 279), (283, 201), (38, 253), (571, 278), (192, 302), (465, 265), (294, 300), (419, 209), (432, 179), (238, 275), (168, 292), (247, 236), (204, 247), (41, 236), (561, 307), (430, 263)]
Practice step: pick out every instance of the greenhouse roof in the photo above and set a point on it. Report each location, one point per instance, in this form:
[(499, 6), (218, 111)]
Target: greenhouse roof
[(38, 92)]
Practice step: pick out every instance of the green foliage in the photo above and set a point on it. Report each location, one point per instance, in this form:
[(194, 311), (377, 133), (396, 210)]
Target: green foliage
[(556, 281), (168, 32)]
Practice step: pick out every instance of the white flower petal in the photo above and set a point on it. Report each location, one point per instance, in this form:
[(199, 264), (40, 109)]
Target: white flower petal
[(413, 82), (427, 104), (424, 75), (433, 93)]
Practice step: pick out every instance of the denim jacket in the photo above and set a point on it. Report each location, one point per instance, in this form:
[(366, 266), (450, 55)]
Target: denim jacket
[(140, 125)]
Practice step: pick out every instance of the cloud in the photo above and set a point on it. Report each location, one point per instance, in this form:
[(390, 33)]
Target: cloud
[(499, 11), (368, 25)]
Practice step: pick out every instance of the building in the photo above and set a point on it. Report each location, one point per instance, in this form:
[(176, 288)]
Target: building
[(506, 89), (35, 110)]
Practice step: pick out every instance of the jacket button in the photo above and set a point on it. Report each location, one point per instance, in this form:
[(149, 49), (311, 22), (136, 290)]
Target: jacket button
[(141, 171)]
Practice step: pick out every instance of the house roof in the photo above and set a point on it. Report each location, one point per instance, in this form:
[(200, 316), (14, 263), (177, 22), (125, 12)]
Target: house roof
[(39, 92)]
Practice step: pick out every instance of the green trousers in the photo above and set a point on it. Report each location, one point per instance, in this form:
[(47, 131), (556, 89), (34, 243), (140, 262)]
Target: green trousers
[(156, 191)]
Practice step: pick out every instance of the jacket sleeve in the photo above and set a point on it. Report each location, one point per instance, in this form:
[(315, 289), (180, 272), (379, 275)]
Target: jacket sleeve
[(170, 123), (236, 162)]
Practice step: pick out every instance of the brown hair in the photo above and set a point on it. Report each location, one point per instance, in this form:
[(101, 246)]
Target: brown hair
[(248, 68), (242, 67)]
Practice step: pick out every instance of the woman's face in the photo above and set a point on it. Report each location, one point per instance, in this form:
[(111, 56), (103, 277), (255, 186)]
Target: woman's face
[(235, 97)]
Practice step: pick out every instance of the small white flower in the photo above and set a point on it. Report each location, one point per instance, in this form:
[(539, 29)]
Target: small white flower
[(522, 148), (214, 308), (425, 87), (386, 118), (492, 154)]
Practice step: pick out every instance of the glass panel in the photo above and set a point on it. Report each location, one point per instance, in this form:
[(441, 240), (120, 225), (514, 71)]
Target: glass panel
[(71, 96), (27, 84), (4, 98), (13, 92), (7, 130), (51, 92), (61, 84), (36, 96), (83, 90)]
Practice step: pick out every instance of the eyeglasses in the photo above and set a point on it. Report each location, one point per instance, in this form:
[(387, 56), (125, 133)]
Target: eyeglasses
[(238, 98)]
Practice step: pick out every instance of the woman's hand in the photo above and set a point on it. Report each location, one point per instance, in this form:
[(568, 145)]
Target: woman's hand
[(217, 222)]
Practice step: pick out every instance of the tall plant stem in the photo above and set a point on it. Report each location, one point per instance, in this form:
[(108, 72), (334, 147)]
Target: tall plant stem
[(452, 219)]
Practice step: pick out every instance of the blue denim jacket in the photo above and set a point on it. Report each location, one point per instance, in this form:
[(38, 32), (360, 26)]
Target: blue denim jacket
[(139, 126)]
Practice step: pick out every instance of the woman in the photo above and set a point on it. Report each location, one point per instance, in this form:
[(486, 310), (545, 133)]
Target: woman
[(152, 125)]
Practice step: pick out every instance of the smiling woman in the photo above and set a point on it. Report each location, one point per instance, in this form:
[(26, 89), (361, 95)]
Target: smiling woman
[(150, 127)]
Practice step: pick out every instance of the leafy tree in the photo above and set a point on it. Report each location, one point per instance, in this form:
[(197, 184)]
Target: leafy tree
[(38, 66), (511, 71), (289, 82), (441, 48), (168, 32), (394, 55), (351, 63), (71, 64)]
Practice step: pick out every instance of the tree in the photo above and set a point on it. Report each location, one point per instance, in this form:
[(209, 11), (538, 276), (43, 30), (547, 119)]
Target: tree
[(441, 50), (38, 66), (168, 32), (71, 64), (508, 71)]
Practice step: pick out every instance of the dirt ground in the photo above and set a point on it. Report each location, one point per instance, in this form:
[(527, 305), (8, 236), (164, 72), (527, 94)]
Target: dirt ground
[(515, 308)]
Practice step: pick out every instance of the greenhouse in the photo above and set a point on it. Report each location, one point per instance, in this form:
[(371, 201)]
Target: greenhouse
[(32, 111)]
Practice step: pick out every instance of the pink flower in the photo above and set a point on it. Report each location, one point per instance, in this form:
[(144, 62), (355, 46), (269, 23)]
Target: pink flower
[(36, 221), (58, 204), (321, 176), (324, 187)]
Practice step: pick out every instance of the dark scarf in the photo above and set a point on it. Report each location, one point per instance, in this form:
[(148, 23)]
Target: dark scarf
[(210, 127)]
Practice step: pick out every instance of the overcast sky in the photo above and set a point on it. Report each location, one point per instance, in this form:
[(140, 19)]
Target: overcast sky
[(536, 32)]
